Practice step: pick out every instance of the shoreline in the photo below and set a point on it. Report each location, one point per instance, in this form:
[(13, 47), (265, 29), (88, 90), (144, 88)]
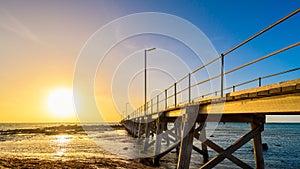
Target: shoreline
[(90, 163)]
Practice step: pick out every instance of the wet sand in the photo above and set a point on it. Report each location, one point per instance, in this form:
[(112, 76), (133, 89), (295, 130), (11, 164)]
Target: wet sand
[(92, 163)]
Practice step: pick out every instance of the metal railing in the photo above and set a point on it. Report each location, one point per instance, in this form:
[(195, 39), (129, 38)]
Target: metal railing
[(258, 80), (161, 101)]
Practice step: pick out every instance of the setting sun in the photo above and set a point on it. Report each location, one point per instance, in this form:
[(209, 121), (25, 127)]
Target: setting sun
[(60, 103)]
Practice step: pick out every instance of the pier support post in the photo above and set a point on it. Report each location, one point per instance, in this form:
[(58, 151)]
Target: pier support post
[(178, 128), (159, 135), (140, 128), (186, 145), (204, 146), (135, 127), (257, 143), (166, 135), (132, 126), (257, 121), (148, 122)]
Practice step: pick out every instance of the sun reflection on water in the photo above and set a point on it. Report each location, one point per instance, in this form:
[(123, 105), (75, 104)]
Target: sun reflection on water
[(61, 142), (60, 152), (62, 139)]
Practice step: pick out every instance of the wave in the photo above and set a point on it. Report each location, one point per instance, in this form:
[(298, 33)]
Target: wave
[(62, 129)]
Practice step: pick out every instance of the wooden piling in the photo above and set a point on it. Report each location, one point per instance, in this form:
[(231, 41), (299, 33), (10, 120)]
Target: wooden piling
[(148, 122), (204, 146), (178, 129), (257, 143), (159, 135), (187, 137), (166, 136), (141, 123)]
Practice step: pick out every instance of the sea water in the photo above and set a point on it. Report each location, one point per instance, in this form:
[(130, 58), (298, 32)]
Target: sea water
[(69, 141), (282, 139)]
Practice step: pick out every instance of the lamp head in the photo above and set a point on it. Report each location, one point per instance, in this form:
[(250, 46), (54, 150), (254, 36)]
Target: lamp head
[(148, 50)]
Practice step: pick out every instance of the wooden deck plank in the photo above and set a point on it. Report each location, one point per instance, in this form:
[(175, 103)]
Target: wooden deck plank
[(275, 105)]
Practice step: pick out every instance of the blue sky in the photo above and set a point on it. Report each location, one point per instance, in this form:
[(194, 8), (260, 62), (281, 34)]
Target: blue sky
[(49, 36), (227, 23)]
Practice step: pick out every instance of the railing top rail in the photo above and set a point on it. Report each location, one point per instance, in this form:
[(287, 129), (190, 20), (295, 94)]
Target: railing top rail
[(262, 31), (264, 57)]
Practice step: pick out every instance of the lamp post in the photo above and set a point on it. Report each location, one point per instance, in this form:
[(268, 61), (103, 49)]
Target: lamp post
[(145, 104), (126, 110)]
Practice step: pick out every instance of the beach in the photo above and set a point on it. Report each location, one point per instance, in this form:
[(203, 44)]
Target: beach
[(92, 163)]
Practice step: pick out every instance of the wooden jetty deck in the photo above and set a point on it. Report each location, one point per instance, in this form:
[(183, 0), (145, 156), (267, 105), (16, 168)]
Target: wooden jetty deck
[(177, 126), (250, 106)]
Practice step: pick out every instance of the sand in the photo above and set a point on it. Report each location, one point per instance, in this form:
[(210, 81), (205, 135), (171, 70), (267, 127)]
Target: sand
[(92, 163)]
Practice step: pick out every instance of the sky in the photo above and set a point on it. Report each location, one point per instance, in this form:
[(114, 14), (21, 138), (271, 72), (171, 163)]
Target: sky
[(43, 41)]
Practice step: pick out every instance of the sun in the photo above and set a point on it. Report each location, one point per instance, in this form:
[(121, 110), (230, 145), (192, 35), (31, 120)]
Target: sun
[(60, 103)]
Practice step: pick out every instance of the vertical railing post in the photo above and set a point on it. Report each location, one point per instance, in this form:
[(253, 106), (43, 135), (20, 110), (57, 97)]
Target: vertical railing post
[(259, 81), (189, 88), (222, 74), (166, 99), (175, 95), (233, 88)]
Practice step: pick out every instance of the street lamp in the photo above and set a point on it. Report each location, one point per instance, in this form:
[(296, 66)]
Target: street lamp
[(145, 104), (126, 109)]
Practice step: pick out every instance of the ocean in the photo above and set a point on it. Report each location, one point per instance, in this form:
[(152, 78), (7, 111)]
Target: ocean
[(70, 141)]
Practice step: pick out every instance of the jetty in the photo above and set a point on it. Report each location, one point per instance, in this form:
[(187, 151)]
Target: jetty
[(166, 121)]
